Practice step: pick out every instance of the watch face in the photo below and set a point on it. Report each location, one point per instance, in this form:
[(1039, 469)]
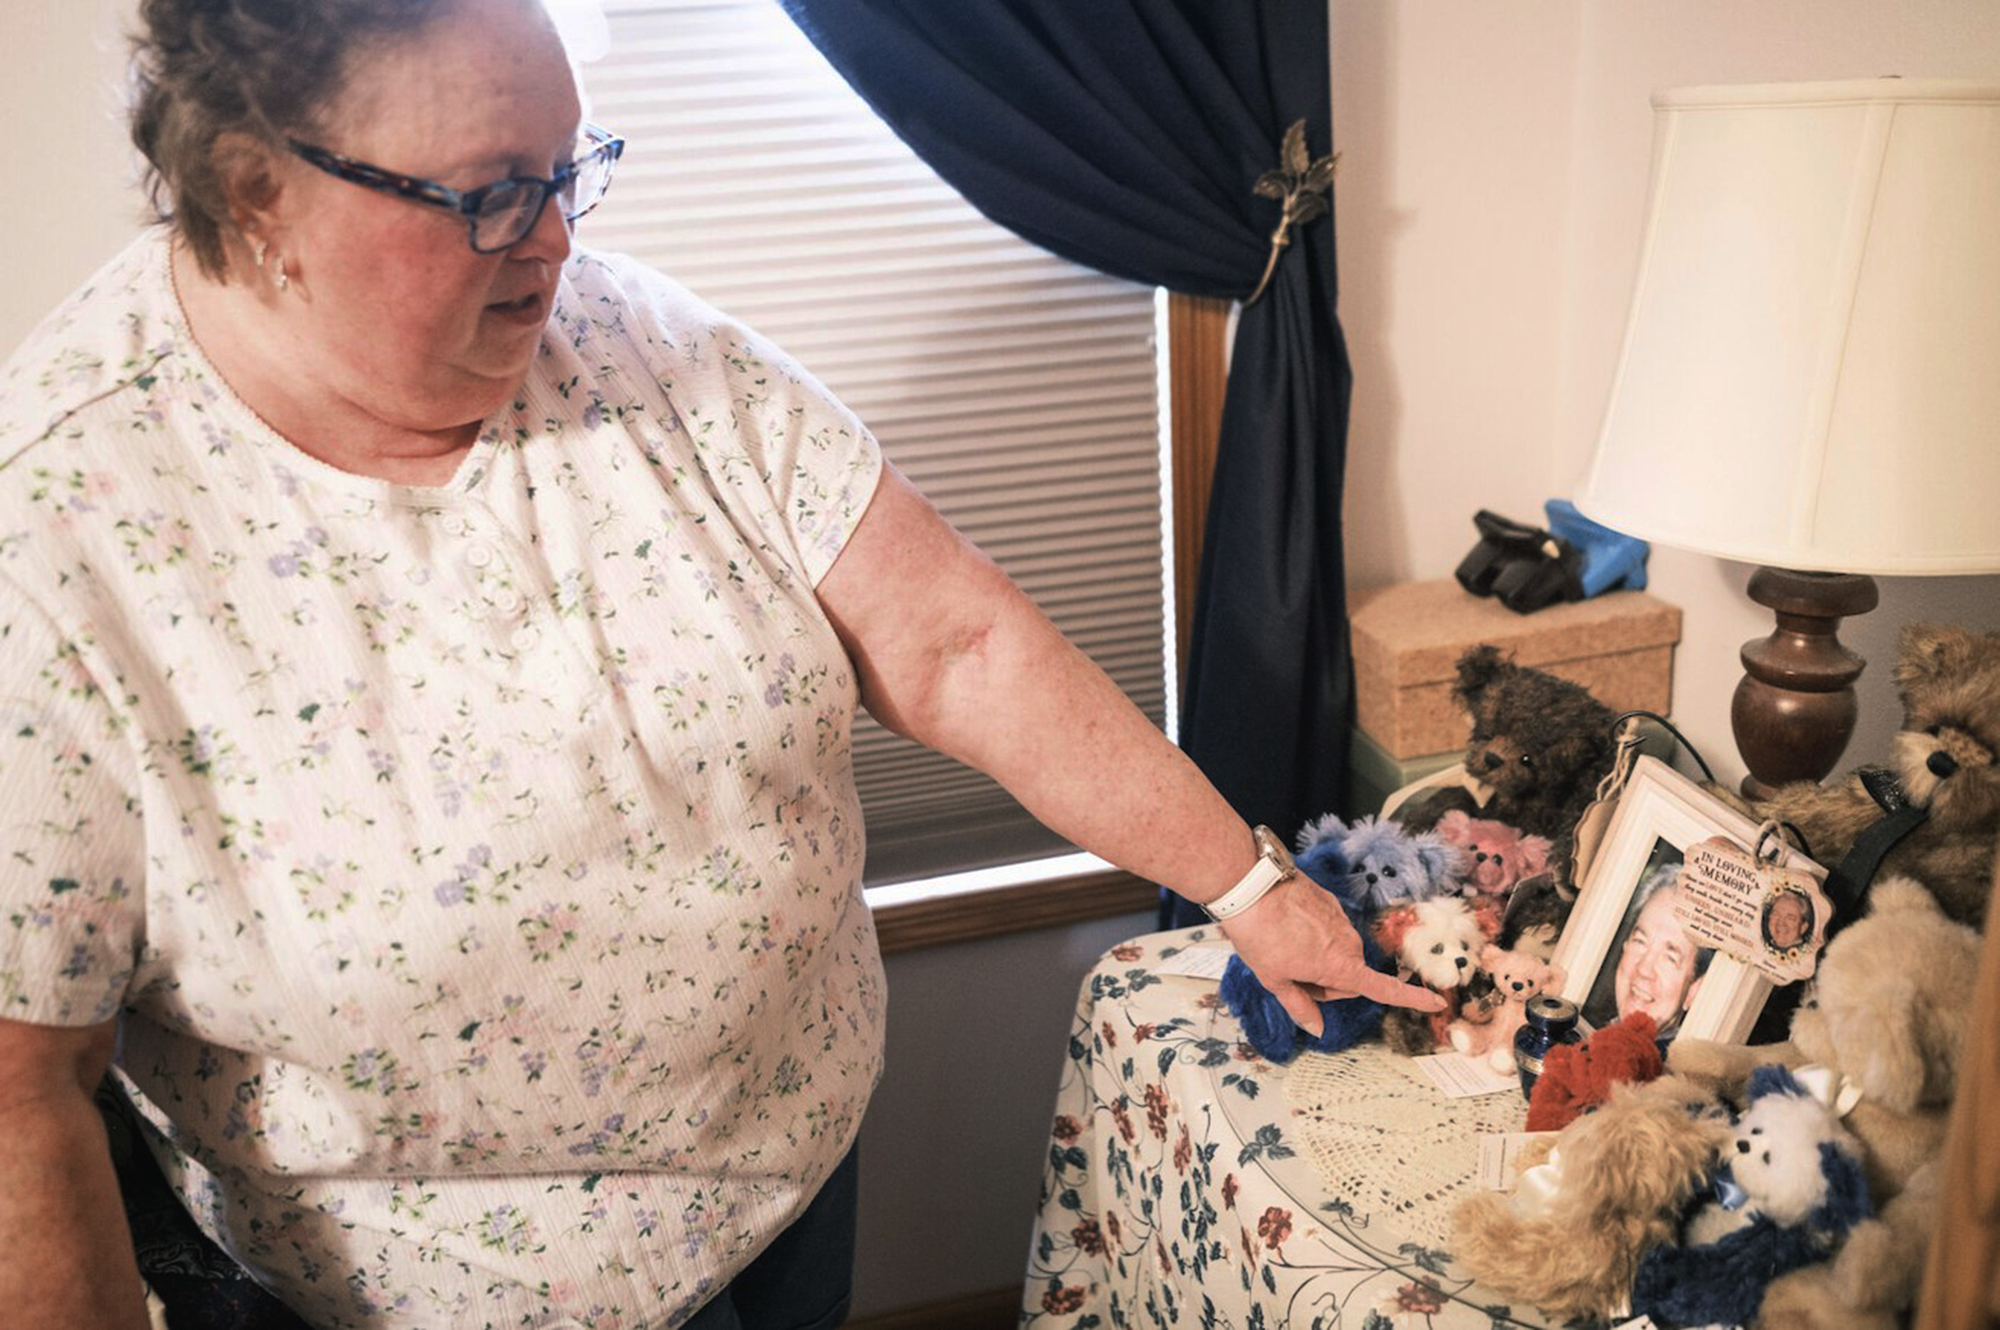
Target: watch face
[(1274, 849)]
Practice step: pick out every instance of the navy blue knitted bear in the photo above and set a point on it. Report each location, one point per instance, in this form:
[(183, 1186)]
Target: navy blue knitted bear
[(1794, 1190)]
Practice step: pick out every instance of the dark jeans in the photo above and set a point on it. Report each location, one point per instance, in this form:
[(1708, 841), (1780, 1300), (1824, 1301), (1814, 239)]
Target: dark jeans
[(805, 1279)]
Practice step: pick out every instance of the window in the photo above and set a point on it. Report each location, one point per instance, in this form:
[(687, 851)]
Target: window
[(1019, 391)]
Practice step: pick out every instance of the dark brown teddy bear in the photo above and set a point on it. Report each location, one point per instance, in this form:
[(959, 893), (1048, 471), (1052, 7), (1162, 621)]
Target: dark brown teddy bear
[(1540, 743), (1944, 757)]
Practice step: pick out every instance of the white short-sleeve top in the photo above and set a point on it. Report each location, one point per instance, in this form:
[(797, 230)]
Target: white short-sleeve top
[(476, 869)]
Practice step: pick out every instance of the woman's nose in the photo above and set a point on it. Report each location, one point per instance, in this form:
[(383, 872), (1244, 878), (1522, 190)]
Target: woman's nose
[(548, 239)]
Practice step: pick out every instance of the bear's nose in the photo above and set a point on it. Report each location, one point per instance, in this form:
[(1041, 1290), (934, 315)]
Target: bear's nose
[(1493, 760), (1479, 858), (1942, 764), (1742, 1146), (1461, 962)]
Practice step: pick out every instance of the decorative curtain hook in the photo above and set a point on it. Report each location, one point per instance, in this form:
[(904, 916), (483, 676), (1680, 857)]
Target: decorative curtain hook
[(1301, 182)]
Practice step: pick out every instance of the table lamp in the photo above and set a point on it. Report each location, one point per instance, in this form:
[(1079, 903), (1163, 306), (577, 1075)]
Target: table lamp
[(1810, 378)]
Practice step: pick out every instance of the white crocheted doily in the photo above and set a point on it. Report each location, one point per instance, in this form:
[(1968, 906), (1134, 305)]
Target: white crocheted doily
[(1388, 1140)]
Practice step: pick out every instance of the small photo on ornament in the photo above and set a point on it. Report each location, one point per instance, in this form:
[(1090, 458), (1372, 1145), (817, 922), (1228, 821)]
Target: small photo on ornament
[(1788, 921)]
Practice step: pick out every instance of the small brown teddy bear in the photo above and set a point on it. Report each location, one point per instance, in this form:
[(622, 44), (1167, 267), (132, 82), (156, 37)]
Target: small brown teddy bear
[(1944, 756), (1890, 1012), (1626, 1171), (1541, 745)]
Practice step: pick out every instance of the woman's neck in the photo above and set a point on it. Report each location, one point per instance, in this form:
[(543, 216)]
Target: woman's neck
[(259, 358)]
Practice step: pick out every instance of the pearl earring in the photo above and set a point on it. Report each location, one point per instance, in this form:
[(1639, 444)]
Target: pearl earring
[(279, 275), (257, 248)]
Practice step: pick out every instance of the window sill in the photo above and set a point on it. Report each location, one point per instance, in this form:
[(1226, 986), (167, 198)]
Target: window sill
[(911, 917)]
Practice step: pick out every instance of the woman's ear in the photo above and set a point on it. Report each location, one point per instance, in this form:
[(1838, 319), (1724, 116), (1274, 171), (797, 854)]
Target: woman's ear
[(250, 176)]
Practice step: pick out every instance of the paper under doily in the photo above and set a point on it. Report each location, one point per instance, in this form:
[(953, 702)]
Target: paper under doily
[(1384, 1138)]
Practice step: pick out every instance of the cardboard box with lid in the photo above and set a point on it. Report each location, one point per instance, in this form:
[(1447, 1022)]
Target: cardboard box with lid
[(1408, 638)]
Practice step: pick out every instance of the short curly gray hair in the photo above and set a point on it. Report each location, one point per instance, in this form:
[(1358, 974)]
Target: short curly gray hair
[(204, 69)]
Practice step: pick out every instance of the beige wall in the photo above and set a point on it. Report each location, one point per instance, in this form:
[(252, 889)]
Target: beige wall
[(71, 195), (1491, 193)]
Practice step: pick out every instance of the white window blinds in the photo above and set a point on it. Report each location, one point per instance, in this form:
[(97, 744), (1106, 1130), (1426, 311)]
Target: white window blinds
[(1018, 391)]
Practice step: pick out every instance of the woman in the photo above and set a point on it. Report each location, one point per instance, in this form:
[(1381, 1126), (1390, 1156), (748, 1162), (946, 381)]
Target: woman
[(430, 693)]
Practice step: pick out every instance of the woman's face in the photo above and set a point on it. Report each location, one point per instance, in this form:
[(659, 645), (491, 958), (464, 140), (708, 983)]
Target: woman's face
[(1656, 968), (395, 313)]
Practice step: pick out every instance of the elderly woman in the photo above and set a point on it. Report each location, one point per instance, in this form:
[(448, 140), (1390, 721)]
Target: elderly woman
[(430, 655)]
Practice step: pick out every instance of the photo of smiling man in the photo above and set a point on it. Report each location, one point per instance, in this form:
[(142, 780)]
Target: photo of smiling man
[(1653, 965)]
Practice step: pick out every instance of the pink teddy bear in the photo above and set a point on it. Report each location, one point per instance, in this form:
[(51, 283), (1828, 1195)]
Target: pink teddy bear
[(1517, 976), (1498, 855)]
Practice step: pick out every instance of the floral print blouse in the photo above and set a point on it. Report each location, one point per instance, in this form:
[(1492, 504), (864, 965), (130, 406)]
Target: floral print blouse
[(475, 870)]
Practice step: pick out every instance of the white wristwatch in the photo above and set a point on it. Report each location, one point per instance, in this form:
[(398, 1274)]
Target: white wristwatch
[(1274, 865)]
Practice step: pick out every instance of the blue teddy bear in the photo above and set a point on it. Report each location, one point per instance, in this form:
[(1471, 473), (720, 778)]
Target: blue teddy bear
[(1267, 1026)]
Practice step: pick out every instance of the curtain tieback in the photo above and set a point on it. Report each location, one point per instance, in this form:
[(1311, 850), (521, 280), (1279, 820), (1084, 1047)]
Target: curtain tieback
[(1301, 183)]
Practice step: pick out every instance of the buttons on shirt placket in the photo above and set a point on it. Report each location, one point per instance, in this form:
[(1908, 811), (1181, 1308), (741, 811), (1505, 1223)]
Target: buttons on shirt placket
[(497, 597)]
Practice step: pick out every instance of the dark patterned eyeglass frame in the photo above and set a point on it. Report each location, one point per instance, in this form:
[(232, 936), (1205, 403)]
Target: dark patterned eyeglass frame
[(603, 146)]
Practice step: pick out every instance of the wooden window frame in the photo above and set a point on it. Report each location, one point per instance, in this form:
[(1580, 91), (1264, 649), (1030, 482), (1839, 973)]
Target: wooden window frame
[(1197, 373)]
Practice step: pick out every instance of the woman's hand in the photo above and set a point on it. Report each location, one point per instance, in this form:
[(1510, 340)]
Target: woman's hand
[(1299, 944)]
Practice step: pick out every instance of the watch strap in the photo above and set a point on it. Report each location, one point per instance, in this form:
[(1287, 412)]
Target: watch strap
[(1273, 866)]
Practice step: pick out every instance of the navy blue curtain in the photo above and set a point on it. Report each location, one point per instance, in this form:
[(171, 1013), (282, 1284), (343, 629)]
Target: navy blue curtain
[(1126, 135)]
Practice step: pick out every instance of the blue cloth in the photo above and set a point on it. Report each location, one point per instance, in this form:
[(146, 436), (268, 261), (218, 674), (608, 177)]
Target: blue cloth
[(1127, 135), (1608, 561)]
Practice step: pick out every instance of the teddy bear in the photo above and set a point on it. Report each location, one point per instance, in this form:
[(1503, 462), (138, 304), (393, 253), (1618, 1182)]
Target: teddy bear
[(1386, 863), (1570, 1237), (1790, 1191), (1517, 976), (1540, 745), (1267, 1026), (1946, 758), (1498, 856), (1887, 1014), (1578, 1077), (1437, 943)]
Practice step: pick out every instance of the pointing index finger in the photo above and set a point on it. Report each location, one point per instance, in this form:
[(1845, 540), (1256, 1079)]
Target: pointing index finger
[(1393, 991)]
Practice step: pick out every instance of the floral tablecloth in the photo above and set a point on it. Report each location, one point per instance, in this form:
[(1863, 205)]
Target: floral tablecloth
[(1176, 1191)]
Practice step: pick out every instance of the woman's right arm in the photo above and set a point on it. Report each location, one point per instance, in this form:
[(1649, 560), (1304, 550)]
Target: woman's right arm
[(65, 1252)]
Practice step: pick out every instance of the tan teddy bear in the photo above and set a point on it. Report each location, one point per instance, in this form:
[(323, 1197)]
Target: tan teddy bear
[(1889, 1012), (1947, 758)]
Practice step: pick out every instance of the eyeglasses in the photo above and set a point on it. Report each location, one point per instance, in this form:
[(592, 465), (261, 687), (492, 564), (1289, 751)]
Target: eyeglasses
[(498, 215)]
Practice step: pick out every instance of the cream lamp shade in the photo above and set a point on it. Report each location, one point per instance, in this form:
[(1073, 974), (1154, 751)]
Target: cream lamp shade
[(1811, 371)]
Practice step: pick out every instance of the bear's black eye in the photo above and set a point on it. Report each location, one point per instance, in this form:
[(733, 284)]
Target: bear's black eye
[(1933, 730), (1756, 1131), (1767, 1156), (1527, 760), (1388, 872)]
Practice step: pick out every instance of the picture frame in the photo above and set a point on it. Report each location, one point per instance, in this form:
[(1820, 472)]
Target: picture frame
[(1620, 950)]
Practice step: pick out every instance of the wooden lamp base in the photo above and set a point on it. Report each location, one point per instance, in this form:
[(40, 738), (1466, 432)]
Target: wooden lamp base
[(1794, 711)]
